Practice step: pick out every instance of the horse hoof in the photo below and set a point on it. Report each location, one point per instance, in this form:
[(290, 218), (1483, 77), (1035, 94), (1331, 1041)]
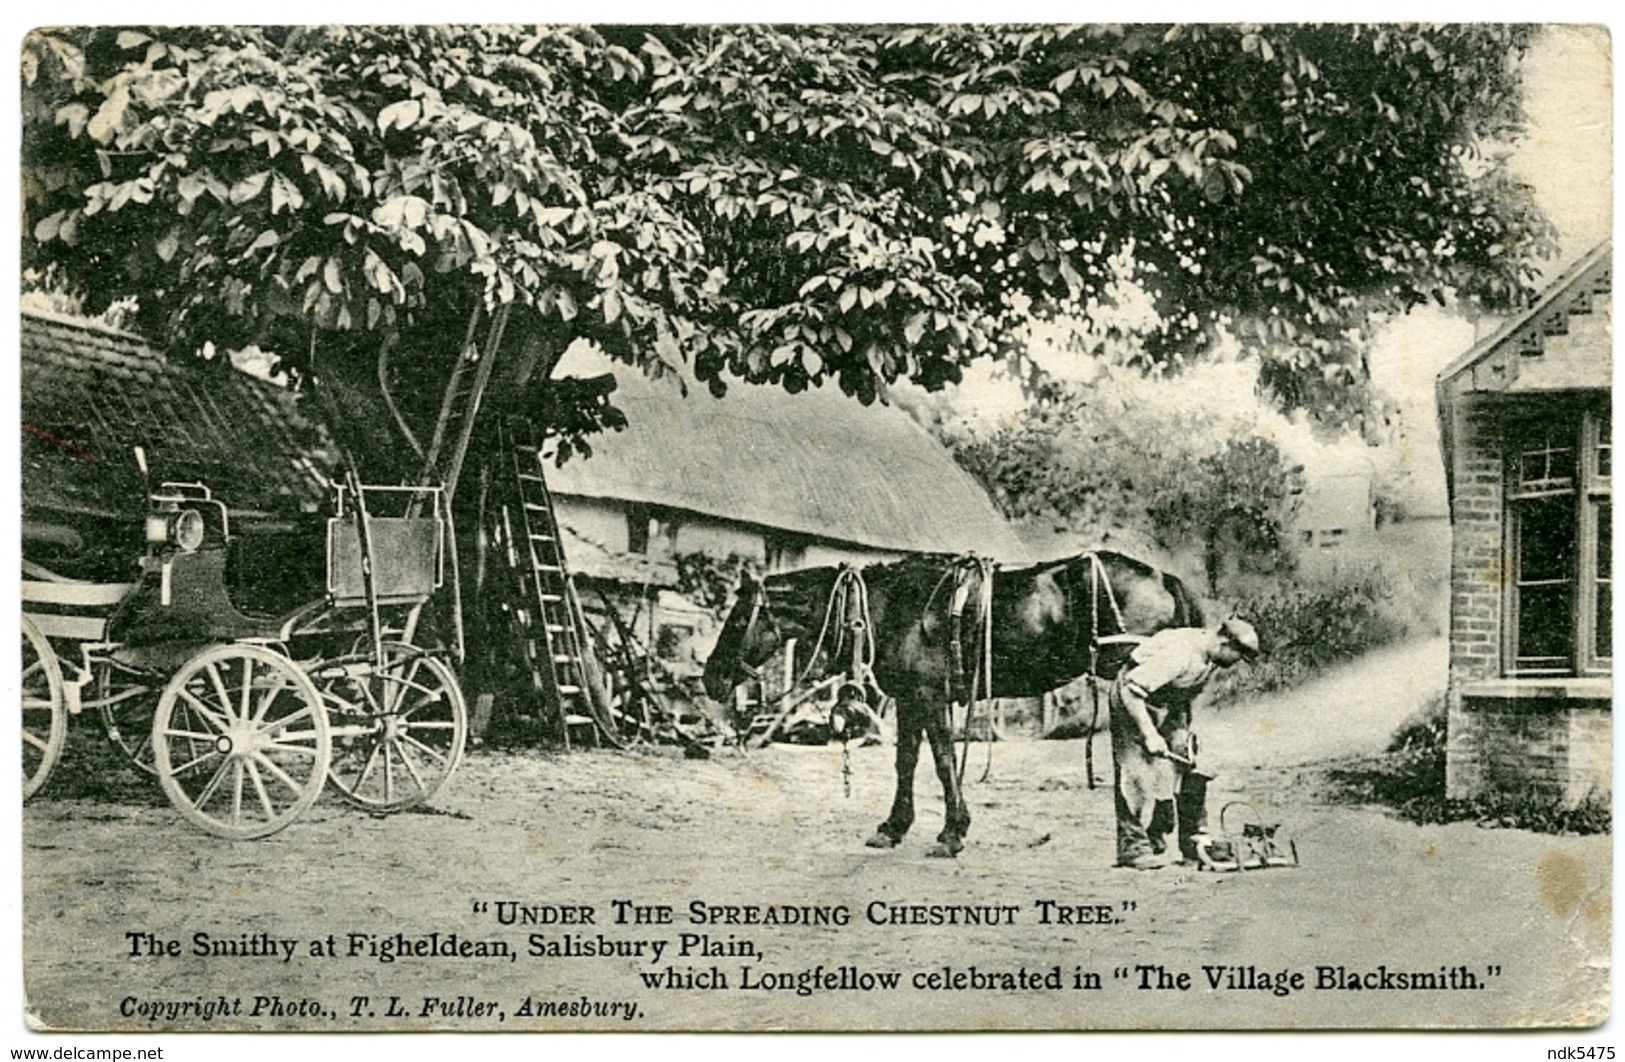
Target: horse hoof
[(881, 839), (943, 850)]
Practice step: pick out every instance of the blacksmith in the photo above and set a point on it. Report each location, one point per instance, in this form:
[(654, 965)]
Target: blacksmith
[(1153, 749)]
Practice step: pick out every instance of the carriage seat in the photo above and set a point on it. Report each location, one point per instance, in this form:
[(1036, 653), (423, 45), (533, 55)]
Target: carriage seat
[(405, 553)]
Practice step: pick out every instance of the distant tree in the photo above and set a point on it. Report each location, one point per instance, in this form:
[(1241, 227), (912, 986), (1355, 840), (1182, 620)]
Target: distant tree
[(1239, 498), (773, 203), (1097, 458)]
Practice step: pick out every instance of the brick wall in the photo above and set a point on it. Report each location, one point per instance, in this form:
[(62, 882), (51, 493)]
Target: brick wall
[(1554, 747), (1476, 559), (1591, 751)]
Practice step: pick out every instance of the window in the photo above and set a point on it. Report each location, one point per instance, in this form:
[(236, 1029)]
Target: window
[(650, 530), (1560, 518), (783, 550), (637, 528)]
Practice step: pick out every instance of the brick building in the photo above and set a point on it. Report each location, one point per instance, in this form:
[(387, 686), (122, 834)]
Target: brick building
[(1525, 423)]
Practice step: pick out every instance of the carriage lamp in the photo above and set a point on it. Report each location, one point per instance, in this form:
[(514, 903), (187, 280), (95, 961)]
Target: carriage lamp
[(182, 528)]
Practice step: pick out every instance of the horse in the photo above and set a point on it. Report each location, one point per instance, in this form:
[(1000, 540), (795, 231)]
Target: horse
[(930, 631)]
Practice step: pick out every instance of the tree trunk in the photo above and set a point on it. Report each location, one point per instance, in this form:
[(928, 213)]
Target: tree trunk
[(1211, 560)]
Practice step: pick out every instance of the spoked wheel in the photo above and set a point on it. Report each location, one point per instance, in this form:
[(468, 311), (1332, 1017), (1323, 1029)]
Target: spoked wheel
[(45, 712), (126, 699), (240, 741), (399, 727), (628, 707), (624, 714)]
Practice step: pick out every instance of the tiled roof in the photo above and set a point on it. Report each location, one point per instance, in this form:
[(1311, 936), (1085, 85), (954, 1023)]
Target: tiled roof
[(1563, 342), (91, 394)]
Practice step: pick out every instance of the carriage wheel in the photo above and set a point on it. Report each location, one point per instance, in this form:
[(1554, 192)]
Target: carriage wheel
[(126, 701), (399, 728), (240, 741), (45, 712)]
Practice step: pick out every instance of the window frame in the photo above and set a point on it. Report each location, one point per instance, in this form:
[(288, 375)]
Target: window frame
[(1590, 491), (1595, 491)]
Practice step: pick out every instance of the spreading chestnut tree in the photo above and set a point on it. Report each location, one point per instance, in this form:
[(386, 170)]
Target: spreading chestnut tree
[(794, 205)]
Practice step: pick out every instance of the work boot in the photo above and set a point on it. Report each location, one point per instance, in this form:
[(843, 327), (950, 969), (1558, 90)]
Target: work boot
[(1143, 861)]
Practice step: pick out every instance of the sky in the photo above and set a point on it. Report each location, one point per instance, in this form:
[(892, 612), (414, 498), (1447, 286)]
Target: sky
[(1567, 159)]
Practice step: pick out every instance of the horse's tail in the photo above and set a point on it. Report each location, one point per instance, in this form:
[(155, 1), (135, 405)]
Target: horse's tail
[(1187, 609)]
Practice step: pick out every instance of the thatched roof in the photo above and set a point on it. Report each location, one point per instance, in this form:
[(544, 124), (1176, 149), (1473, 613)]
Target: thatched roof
[(817, 463)]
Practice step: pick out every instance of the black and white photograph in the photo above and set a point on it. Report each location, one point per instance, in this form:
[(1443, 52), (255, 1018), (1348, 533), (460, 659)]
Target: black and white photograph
[(812, 526)]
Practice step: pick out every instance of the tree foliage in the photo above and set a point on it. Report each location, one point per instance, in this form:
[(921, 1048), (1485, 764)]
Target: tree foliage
[(784, 204), (1097, 458)]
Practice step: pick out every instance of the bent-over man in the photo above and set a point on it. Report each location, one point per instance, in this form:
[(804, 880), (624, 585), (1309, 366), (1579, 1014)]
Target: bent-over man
[(1153, 749)]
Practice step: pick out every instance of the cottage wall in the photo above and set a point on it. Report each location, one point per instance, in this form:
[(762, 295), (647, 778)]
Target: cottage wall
[(604, 523), (1525, 429), (698, 535), (1548, 736), (1477, 585), (600, 522)]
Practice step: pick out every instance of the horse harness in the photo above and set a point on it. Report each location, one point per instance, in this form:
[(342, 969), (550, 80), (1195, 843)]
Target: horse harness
[(849, 628), (967, 579), (1099, 580)]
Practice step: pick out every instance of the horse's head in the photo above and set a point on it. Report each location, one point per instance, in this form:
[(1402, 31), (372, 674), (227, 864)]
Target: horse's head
[(750, 635)]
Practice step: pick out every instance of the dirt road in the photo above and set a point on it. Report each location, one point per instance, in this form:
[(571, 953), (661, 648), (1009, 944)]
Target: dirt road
[(1516, 926)]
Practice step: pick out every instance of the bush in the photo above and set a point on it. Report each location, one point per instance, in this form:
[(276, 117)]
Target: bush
[(710, 582), (1306, 627), (1410, 779), (1410, 774)]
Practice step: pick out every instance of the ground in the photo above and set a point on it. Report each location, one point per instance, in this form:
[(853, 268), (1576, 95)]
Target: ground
[(1519, 922)]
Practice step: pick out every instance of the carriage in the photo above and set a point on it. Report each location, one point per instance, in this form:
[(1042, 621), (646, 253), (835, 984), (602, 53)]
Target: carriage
[(246, 689)]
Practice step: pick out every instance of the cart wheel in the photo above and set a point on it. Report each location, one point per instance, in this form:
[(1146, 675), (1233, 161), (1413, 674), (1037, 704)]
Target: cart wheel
[(399, 728), (240, 741), (623, 712), (628, 708), (45, 712), (126, 701)]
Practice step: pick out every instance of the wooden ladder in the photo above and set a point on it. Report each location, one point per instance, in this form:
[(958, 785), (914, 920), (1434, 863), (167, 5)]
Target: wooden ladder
[(460, 405), (545, 612)]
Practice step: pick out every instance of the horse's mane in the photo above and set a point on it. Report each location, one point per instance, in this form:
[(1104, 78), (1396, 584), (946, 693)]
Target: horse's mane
[(797, 599)]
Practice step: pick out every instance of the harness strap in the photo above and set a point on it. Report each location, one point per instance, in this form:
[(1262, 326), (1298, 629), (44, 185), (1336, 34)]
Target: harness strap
[(1099, 579), (1094, 671), (847, 611), (1104, 581), (979, 686)]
